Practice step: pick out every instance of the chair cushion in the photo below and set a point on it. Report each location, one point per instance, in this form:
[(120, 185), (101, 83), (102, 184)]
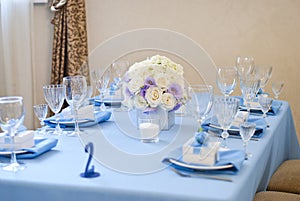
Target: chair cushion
[(276, 196), (286, 178)]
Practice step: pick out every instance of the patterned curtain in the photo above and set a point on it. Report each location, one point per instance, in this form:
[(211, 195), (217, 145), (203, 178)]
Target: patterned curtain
[(70, 48)]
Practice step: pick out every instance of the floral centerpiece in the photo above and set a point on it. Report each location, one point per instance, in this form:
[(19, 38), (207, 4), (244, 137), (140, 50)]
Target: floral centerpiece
[(153, 84)]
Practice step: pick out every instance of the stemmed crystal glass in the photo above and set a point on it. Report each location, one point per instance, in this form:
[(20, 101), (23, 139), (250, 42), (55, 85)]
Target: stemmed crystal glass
[(12, 114), (247, 130), (249, 86), (55, 95), (225, 109), (264, 73), (226, 80), (76, 89), (245, 66), (41, 111), (277, 87), (119, 68), (101, 81), (201, 101), (265, 102)]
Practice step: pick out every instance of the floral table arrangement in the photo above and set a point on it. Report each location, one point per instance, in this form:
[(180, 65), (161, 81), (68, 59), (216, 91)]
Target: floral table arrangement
[(155, 85)]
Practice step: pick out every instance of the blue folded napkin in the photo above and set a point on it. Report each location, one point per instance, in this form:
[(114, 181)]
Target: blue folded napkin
[(99, 117), (275, 107), (235, 158), (233, 130), (41, 146)]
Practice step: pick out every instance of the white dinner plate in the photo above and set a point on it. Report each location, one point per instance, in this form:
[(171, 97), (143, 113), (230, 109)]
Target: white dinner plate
[(197, 167), (71, 122), (4, 153)]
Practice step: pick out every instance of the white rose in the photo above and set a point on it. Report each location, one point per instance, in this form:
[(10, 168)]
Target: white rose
[(135, 84), (139, 102), (153, 96), (168, 101), (161, 80)]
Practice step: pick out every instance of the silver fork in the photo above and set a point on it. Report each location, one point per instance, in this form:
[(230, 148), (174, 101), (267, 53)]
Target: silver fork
[(184, 174)]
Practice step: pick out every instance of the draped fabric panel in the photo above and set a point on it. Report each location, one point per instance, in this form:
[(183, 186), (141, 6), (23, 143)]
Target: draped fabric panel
[(70, 48)]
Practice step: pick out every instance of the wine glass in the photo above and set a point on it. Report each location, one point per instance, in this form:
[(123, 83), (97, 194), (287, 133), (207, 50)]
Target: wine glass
[(119, 68), (54, 95), (101, 81), (245, 66), (226, 80), (225, 109), (249, 86), (41, 111), (277, 87), (264, 73), (12, 114), (247, 130), (76, 89), (265, 102), (201, 101)]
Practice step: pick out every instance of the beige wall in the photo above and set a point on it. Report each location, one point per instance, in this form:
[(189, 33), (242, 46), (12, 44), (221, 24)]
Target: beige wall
[(269, 30)]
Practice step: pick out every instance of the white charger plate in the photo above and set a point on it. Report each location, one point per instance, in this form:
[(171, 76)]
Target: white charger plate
[(71, 122)]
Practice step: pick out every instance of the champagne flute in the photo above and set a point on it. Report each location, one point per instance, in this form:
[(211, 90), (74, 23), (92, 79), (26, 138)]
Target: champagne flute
[(265, 103), (277, 87), (76, 89), (54, 95), (201, 101), (247, 130), (225, 110), (41, 111), (12, 114), (226, 80)]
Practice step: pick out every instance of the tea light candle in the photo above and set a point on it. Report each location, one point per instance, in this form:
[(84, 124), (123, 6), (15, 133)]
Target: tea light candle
[(149, 132)]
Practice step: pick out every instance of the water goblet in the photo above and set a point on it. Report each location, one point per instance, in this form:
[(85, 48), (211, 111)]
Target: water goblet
[(226, 80), (54, 95), (277, 88), (247, 130), (265, 103), (12, 114), (76, 88), (201, 101), (101, 80), (225, 110), (41, 111)]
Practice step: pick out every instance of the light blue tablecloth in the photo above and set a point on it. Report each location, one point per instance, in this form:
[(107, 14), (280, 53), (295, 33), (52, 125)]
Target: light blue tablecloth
[(55, 174)]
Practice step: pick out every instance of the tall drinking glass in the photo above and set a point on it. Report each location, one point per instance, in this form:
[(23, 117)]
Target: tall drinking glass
[(76, 89), (54, 96), (245, 66), (227, 79), (118, 70), (12, 114), (225, 109), (201, 101)]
